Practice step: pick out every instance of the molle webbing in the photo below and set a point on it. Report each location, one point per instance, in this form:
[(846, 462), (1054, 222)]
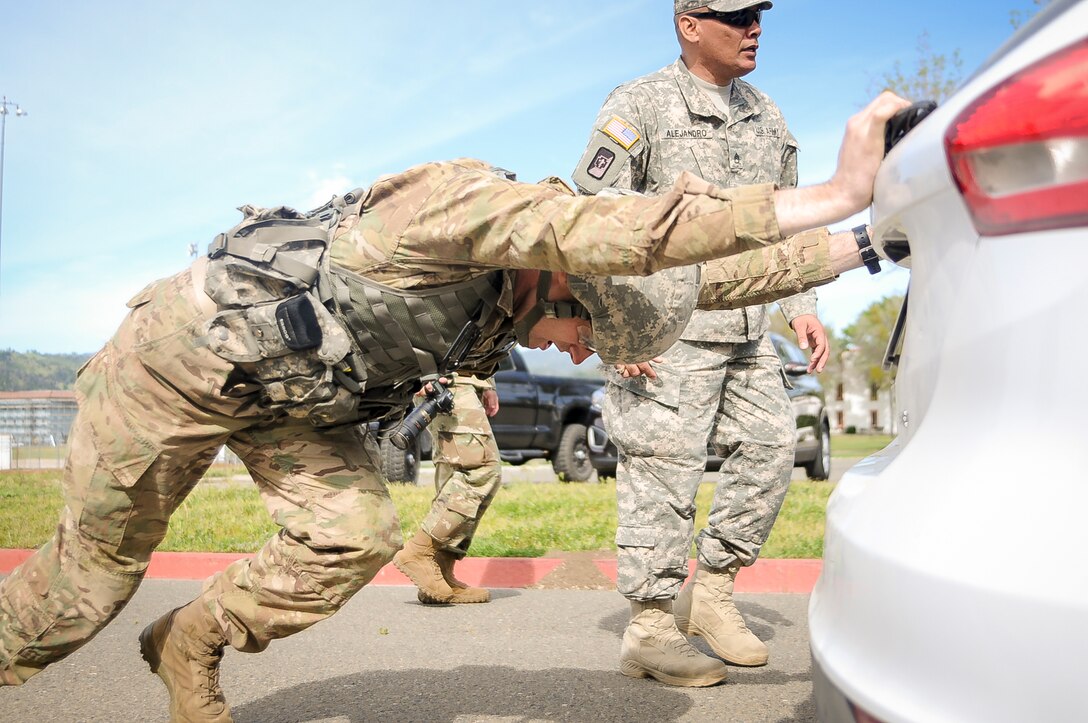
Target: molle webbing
[(404, 333), (282, 239), (264, 242)]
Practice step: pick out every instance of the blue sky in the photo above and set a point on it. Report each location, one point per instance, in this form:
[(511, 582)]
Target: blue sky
[(150, 122)]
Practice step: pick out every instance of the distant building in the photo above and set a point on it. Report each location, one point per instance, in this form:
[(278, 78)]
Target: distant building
[(853, 402), (37, 418)]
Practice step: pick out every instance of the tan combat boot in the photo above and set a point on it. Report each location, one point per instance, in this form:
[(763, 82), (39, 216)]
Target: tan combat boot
[(419, 563), (652, 646), (462, 593), (184, 648), (705, 607)]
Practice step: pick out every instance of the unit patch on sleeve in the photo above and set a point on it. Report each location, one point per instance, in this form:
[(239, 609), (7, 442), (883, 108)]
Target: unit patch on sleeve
[(606, 156), (602, 161)]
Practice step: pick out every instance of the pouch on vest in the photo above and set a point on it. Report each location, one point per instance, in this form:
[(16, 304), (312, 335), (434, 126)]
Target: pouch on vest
[(297, 323), (247, 335)]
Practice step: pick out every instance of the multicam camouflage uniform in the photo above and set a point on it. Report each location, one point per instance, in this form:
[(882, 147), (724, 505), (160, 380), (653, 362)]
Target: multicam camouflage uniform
[(467, 467), (722, 383), (156, 402)]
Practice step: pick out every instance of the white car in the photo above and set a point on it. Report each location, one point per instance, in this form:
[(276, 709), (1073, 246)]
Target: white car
[(955, 579)]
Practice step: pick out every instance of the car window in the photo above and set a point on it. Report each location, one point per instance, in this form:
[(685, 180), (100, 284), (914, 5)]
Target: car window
[(787, 351), (553, 362)]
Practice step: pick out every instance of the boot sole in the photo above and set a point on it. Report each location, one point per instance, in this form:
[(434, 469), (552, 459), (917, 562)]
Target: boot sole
[(152, 658), (633, 670), (427, 600), (753, 662), (473, 601), (431, 599), (148, 652)]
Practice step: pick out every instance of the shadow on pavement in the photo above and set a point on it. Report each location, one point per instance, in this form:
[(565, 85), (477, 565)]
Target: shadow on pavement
[(471, 693)]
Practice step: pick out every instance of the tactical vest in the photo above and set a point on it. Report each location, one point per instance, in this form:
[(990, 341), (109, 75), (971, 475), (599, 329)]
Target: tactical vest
[(315, 336)]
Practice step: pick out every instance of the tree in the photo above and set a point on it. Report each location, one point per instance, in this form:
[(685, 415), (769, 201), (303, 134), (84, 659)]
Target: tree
[(935, 76), (1019, 17), (869, 335), (21, 372), (868, 338)]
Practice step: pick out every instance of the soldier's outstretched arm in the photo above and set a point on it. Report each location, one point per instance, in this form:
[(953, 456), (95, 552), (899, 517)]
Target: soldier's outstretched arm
[(760, 276), (459, 213), (850, 190)]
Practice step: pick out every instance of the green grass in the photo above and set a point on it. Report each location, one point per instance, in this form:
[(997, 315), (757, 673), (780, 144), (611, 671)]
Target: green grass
[(526, 519), (858, 445)]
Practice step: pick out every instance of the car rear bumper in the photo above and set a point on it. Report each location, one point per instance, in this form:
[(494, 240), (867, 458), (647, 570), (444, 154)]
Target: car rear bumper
[(958, 576)]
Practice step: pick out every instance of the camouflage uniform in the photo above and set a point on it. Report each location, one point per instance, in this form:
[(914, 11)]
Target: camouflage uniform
[(156, 403), (722, 382), (467, 467)]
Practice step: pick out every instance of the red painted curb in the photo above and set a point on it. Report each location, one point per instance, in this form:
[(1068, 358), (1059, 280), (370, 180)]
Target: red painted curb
[(483, 571), (794, 576), (486, 571)]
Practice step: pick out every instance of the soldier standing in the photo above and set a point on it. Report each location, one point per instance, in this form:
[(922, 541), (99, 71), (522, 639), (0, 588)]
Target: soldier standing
[(297, 329), (722, 383), (467, 474)]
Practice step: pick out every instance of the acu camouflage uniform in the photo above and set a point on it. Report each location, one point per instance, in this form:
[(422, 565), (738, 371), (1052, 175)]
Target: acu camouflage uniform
[(156, 403), (722, 382)]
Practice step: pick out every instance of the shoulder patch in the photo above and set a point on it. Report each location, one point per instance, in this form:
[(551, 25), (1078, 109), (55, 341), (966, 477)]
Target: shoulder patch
[(610, 148), (621, 132)]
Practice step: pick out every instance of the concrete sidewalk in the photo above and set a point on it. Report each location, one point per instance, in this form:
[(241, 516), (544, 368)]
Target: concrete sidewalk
[(529, 655), (545, 649)]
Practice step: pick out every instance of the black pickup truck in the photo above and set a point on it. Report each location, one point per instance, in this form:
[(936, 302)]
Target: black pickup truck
[(544, 412)]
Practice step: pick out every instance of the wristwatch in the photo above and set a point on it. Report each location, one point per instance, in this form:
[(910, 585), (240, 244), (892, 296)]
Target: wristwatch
[(865, 249)]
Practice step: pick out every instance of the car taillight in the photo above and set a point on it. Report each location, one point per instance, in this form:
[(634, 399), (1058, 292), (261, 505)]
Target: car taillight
[(860, 716), (1019, 154)]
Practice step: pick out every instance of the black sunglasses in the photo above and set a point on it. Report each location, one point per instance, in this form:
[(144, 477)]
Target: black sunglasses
[(738, 19)]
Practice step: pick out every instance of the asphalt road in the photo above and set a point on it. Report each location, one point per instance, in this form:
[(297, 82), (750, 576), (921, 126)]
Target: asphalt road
[(529, 655)]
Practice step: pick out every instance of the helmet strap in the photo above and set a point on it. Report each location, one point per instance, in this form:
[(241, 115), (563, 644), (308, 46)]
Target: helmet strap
[(543, 308)]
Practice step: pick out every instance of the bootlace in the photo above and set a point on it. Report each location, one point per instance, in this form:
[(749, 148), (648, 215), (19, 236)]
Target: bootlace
[(208, 657), (672, 639), (726, 606), (679, 644)]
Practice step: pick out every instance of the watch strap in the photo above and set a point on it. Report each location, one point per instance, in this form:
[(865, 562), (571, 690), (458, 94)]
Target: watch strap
[(865, 249)]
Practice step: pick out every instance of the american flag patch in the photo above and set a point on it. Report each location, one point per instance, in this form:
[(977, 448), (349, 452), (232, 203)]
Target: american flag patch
[(621, 132)]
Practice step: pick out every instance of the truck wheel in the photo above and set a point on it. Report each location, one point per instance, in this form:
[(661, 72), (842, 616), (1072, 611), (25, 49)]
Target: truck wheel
[(820, 468), (400, 465), (571, 458), (606, 471)]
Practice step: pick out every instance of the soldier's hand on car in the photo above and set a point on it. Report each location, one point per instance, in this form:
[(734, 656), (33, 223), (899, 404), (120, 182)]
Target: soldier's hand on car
[(636, 370), (863, 147)]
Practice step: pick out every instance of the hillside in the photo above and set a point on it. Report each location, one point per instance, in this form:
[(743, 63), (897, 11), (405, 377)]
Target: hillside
[(22, 372)]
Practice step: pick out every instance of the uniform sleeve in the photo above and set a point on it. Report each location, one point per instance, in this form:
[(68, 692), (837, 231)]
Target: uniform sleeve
[(458, 213), (768, 274), (616, 154), (803, 303)]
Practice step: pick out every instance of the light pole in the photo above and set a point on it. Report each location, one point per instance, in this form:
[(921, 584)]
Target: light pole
[(4, 105)]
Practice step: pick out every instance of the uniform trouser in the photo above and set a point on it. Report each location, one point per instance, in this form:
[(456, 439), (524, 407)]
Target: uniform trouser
[(467, 470), (151, 419), (730, 395)]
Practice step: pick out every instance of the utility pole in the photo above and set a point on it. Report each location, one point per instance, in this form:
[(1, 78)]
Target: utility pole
[(5, 104)]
